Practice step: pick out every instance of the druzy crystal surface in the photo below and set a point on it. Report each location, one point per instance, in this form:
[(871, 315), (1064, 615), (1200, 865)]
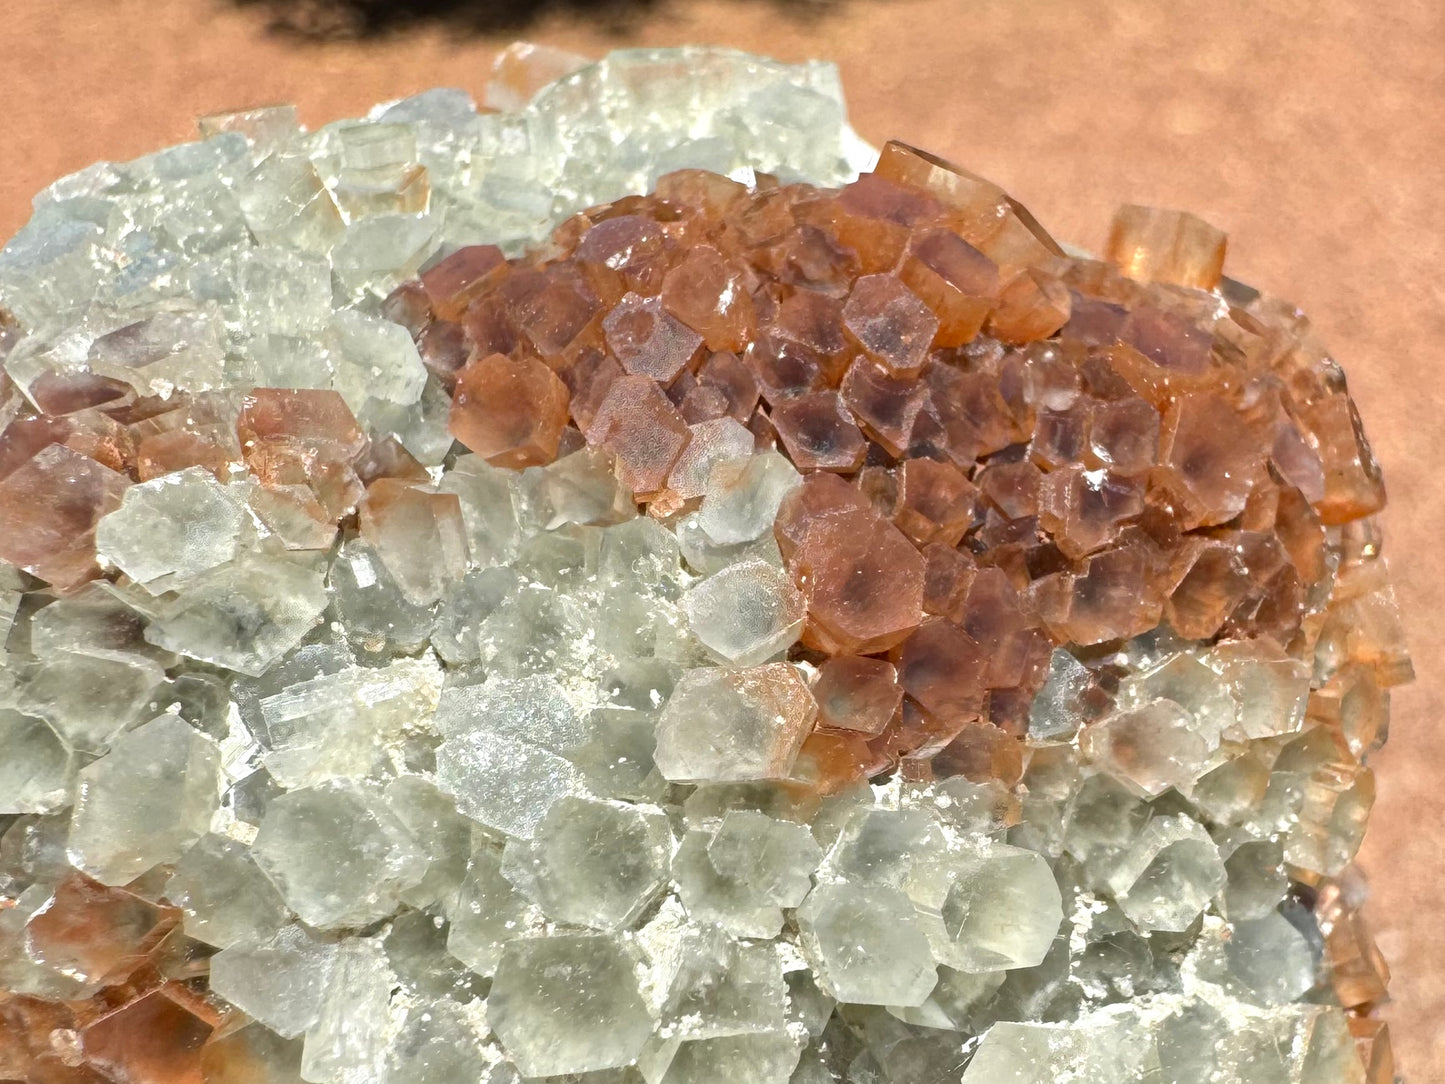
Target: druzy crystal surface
[(637, 588)]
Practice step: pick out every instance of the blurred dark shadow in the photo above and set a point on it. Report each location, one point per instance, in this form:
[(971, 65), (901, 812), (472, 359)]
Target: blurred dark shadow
[(349, 19)]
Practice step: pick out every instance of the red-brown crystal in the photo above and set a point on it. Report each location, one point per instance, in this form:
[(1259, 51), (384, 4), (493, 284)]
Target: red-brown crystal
[(511, 412)]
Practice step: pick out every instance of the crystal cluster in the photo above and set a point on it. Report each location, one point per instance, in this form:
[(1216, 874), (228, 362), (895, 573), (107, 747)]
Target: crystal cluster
[(467, 622)]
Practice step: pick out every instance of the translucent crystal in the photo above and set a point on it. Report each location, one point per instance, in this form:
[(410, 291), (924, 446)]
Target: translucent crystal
[(1079, 645), (226, 898), (746, 613), (743, 497), (1030, 1053), (372, 606), (487, 510), (337, 854), (1059, 710), (274, 599), (716, 986), (724, 726), (486, 912), (50, 538), (1154, 747), (347, 724), (1168, 874), (438, 1043), (503, 783), (250, 1053), (354, 1024), (374, 359), (279, 981), (37, 768), (1002, 911), (418, 535), (568, 1004), (865, 945), (592, 863), (764, 1058), (744, 875), (1271, 958), (87, 698), (146, 801)]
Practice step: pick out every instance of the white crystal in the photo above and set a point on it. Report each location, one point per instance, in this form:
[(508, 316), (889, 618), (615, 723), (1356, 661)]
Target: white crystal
[(1057, 710), (716, 986), (242, 616)]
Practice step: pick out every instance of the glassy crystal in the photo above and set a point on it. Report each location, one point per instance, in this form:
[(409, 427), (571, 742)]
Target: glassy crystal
[(145, 802), (568, 1004), (337, 854)]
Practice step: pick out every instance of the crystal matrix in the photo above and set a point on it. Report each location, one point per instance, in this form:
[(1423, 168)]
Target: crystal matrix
[(468, 620)]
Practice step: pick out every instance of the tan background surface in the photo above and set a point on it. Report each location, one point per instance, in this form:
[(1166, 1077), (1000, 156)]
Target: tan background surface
[(1313, 131)]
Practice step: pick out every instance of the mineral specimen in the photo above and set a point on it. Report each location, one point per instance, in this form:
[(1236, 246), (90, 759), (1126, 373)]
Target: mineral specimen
[(638, 588)]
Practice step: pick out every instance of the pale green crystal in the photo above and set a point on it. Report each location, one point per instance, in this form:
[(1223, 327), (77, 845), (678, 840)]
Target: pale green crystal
[(502, 783), (743, 497), (486, 912), (347, 724), (226, 897), (338, 854), (354, 1025), (765, 1058), (732, 726), (746, 873), (279, 981), (1002, 911), (89, 699), (373, 359), (1058, 710), (376, 613), (37, 768), (746, 613), (145, 802), (568, 1004), (865, 945), (592, 863), (1167, 874), (439, 1042), (242, 616), (716, 987)]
